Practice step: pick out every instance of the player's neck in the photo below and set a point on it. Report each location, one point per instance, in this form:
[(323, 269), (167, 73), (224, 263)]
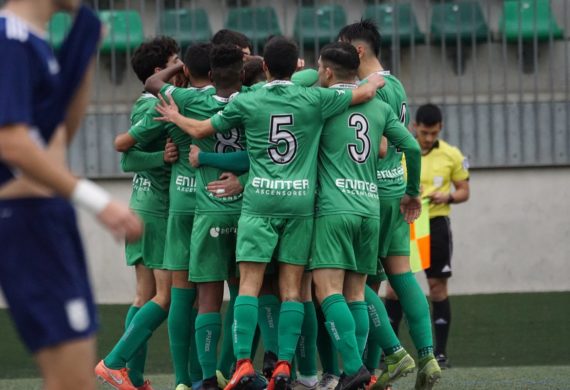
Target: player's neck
[(199, 83), (36, 13), (227, 92), (344, 82), (369, 66)]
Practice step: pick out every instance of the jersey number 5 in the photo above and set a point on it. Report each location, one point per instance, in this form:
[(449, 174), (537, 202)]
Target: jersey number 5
[(360, 124), (284, 143)]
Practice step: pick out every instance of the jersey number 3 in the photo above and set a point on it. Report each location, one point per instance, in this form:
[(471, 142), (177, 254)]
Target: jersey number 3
[(360, 124), (283, 143)]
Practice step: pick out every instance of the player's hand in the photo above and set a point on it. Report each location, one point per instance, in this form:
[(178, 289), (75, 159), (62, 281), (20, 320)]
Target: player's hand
[(377, 80), (121, 221), (411, 207), (300, 64), (170, 152), (180, 80), (228, 185), (193, 156), (249, 57), (439, 198), (167, 108)]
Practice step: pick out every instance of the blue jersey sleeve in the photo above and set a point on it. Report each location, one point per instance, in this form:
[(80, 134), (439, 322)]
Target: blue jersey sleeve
[(15, 84), (76, 53)]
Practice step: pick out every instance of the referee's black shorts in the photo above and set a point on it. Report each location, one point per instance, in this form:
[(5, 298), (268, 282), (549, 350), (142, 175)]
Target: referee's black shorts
[(441, 246)]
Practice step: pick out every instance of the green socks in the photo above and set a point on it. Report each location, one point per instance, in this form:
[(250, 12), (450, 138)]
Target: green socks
[(227, 353), (416, 309), (359, 311), (195, 368), (245, 322), (290, 324), (180, 331), (137, 363), (381, 331), (341, 327), (208, 330), (269, 306), (327, 351), (148, 318), (307, 346)]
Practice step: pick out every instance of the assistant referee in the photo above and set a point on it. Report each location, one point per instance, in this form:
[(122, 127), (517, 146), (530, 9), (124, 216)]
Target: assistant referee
[(443, 167)]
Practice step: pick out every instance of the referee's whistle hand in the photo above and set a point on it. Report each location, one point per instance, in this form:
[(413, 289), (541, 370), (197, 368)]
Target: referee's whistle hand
[(439, 198)]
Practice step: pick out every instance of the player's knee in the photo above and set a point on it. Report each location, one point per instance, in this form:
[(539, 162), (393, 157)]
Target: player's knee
[(437, 289)]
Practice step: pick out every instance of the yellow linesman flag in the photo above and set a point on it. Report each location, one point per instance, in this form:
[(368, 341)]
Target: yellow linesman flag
[(420, 258)]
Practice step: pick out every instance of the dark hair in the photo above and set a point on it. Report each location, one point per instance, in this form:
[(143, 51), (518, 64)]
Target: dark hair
[(342, 58), (153, 54), (227, 63), (280, 56), (365, 30), (253, 72), (225, 36), (197, 60), (428, 115)]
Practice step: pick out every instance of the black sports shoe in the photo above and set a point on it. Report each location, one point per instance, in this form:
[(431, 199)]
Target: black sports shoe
[(442, 361), (354, 382), (269, 362), (210, 384)]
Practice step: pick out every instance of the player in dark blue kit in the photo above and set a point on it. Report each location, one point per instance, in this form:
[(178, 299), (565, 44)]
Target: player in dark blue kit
[(43, 273)]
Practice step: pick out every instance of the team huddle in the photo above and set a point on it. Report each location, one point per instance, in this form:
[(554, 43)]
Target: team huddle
[(254, 172)]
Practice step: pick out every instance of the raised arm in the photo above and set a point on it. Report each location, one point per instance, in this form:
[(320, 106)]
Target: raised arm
[(367, 91), (170, 113), (155, 82)]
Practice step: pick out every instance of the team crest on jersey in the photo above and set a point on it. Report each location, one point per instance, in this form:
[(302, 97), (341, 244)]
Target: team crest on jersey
[(340, 92)]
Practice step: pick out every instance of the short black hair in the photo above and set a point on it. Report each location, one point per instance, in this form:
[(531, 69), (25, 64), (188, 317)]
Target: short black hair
[(225, 36), (365, 30), (197, 60), (428, 115), (153, 54), (253, 72), (281, 55), (342, 58), (226, 62)]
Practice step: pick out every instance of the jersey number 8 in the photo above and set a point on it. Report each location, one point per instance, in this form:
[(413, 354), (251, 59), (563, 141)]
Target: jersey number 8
[(229, 142), (284, 143), (360, 124)]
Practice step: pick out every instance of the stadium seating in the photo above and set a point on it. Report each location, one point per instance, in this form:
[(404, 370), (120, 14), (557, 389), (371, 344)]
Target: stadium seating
[(186, 25), (124, 31), (257, 23), (527, 19), (58, 27), (318, 24), (458, 20), (397, 22)]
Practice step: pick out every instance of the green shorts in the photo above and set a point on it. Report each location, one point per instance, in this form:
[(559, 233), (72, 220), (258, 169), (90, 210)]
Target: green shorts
[(178, 234), (394, 230), (213, 248), (288, 240), (379, 276), (345, 241), (149, 250)]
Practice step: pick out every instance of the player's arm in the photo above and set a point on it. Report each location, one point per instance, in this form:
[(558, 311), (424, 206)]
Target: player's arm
[(170, 113), (383, 147), (305, 77), (135, 160), (79, 103), (158, 80), (228, 185), (366, 91), (124, 141), (461, 193), (234, 161)]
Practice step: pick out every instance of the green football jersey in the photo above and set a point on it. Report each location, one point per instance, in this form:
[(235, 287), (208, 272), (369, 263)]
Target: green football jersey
[(391, 181), (202, 106), (283, 124), (150, 187)]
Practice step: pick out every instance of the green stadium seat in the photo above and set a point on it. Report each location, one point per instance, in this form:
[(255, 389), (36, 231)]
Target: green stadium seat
[(186, 25), (461, 20), (257, 23), (320, 24), (58, 27), (396, 21), (527, 19), (124, 31)]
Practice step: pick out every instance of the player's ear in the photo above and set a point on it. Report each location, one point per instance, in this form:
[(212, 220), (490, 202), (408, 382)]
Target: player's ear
[(361, 50), (157, 69), (186, 71)]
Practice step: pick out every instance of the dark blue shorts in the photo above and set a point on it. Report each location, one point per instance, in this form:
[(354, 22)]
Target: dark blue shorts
[(43, 272)]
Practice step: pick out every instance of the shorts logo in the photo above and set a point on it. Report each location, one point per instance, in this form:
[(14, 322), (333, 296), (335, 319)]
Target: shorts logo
[(77, 314), (215, 232)]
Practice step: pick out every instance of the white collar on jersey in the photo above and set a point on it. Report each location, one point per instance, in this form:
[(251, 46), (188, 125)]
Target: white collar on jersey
[(344, 86), (147, 95), (16, 25), (201, 89), (381, 73), (225, 100), (278, 82)]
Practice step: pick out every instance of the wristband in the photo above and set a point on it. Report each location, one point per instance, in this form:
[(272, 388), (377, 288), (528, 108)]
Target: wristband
[(90, 196)]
